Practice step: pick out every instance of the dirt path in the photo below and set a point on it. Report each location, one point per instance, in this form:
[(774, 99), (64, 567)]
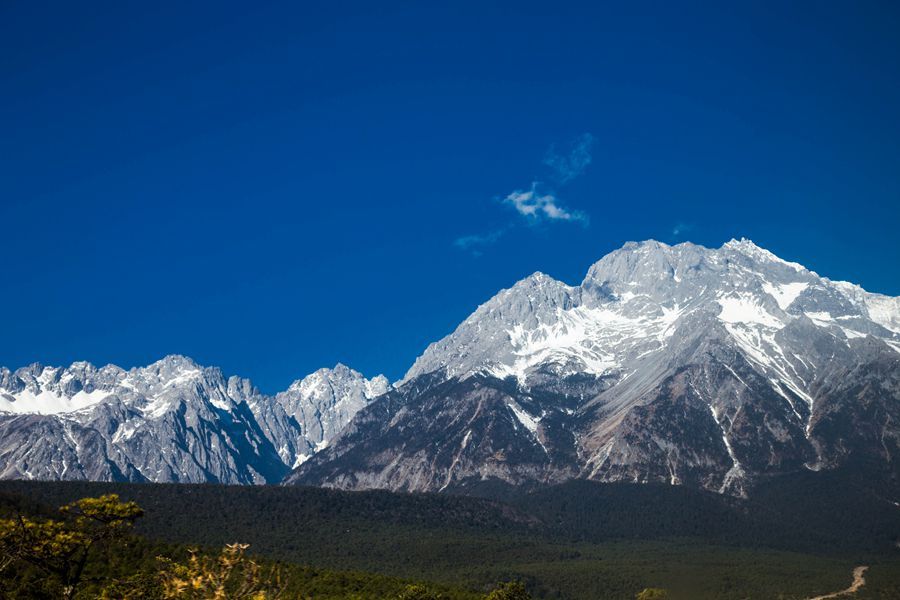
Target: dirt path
[(859, 580)]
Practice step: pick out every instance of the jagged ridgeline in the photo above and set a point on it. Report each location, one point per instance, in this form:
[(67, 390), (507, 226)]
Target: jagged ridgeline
[(173, 421), (711, 368)]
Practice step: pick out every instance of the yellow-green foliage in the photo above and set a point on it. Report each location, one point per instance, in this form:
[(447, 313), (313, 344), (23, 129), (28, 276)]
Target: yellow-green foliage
[(509, 591), (106, 511), (61, 547), (418, 592), (231, 575), (504, 591), (653, 594)]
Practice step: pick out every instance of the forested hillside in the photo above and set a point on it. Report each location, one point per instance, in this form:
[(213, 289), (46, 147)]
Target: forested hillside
[(796, 538)]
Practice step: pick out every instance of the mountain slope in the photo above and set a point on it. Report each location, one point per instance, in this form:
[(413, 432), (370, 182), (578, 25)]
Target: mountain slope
[(682, 364), (172, 421)]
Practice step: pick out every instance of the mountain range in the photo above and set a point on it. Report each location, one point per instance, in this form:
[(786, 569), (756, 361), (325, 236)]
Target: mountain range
[(711, 368), (173, 421)]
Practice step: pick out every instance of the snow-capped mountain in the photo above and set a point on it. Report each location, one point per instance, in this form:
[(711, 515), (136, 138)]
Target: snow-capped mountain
[(171, 421), (323, 402), (707, 367), (704, 367)]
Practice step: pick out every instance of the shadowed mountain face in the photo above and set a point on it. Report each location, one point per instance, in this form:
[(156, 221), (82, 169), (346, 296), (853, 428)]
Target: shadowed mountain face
[(705, 367), (711, 368)]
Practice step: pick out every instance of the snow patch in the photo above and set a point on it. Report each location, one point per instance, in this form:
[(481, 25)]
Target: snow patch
[(156, 408), (530, 423), (751, 250), (785, 294), (302, 458), (183, 377), (852, 334), (47, 402), (736, 472), (589, 338), (743, 308), (885, 311)]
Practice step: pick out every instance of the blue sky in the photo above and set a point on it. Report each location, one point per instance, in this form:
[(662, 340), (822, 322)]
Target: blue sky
[(277, 187)]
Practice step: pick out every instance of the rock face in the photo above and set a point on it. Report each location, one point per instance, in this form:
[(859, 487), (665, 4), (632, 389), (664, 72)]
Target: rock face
[(172, 421), (324, 402), (696, 366)]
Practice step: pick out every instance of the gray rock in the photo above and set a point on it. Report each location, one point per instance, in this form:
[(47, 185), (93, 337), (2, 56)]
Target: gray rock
[(173, 421), (682, 364)]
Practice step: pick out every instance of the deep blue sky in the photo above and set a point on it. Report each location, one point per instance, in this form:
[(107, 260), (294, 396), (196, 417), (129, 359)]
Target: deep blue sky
[(278, 188)]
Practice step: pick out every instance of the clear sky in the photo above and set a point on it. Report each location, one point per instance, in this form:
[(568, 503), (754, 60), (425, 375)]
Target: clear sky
[(277, 187)]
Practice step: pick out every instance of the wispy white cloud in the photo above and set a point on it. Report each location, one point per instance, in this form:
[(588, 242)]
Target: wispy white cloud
[(537, 206), (681, 228), (476, 242), (540, 203), (569, 165)]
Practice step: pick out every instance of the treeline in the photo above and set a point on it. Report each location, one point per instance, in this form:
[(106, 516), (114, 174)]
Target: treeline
[(838, 512)]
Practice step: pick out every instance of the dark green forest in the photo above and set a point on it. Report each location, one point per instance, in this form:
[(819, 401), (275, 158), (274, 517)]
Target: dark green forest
[(794, 538)]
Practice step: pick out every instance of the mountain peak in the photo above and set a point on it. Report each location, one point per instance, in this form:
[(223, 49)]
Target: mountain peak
[(741, 243), (632, 300), (681, 364), (650, 244), (342, 369), (176, 362), (757, 253), (82, 365), (537, 280), (340, 374)]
